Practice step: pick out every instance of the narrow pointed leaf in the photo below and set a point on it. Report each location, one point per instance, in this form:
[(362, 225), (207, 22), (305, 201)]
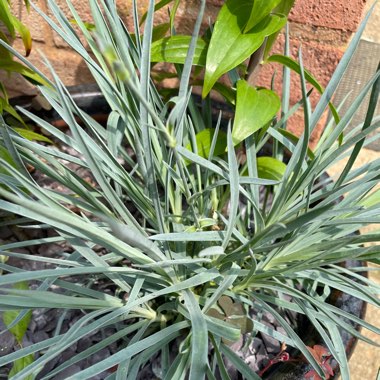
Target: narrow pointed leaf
[(24, 32), (174, 50), (199, 338), (294, 66), (30, 135)]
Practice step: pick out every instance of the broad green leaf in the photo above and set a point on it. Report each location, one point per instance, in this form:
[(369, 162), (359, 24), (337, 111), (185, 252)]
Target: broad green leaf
[(226, 304), (244, 323), (16, 67), (228, 92), (260, 10), (254, 109), (174, 50), (10, 315), (204, 141), (229, 46), (30, 135), (20, 364), (270, 168), (217, 296), (293, 65), (284, 7)]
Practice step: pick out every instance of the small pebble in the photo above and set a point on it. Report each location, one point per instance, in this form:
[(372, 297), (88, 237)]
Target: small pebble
[(272, 345), (7, 340)]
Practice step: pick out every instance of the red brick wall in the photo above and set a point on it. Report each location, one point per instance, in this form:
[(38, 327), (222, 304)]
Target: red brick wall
[(322, 27)]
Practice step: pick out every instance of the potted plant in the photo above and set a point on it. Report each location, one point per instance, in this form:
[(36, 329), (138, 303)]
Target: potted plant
[(180, 241)]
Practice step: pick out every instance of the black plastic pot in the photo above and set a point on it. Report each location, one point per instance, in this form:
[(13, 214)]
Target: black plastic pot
[(90, 99)]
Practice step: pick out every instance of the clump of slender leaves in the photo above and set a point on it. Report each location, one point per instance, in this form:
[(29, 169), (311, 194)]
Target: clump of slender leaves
[(201, 247)]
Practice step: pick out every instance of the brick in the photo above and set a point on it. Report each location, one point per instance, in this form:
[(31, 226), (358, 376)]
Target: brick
[(320, 60), (82, 8), (334, 14), (371, 32), (217, 3), (124, 9), (296, 125), (69, 66), (187, 16), (321, 35)]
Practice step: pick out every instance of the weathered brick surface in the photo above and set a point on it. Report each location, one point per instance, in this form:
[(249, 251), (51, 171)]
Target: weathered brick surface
[(70, 67), (67, 64), (83, 10), (320, 35), (38, 28), (323, 27), (296, 125), (320, 60), (334, 14)]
